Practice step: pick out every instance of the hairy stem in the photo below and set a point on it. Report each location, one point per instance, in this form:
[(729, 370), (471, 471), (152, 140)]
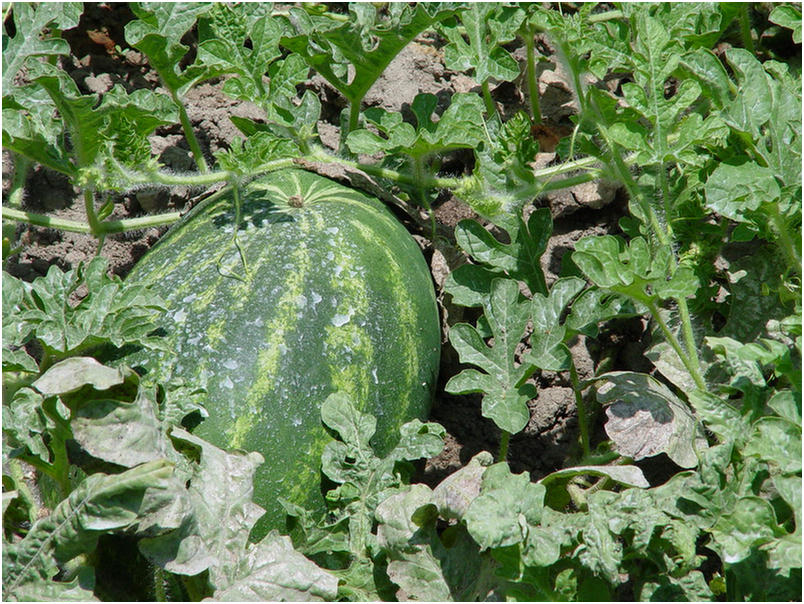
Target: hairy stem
[(745, 27), (606, 16), (17, 189), (692, 366), (106, 228), (505, 438), (491, 107), (530, 74), (189, 134), (160, 595), (354, 117), (580, 404)]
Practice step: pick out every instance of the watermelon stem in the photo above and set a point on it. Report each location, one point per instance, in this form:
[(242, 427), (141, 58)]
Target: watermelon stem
[(580, 404), (505, 437), (235, 241)]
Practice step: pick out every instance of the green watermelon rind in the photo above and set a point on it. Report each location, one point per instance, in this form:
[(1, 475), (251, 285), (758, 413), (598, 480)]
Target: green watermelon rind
[(338, 297)]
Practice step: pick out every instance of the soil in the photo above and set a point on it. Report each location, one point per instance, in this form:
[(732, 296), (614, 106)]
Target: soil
[(550, 437)]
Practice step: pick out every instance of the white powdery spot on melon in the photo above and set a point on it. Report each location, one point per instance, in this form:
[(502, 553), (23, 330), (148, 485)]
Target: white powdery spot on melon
[(227, 383), (340, 320), (230, 364), (180, 316)]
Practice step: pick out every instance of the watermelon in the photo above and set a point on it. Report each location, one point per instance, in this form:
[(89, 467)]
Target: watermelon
[(331, 294)]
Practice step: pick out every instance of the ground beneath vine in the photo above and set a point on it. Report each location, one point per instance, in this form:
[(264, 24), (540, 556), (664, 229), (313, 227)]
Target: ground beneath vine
[(101, 59)]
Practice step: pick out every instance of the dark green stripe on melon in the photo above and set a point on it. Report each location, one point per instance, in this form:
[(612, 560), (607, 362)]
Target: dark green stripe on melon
[(338, 297)]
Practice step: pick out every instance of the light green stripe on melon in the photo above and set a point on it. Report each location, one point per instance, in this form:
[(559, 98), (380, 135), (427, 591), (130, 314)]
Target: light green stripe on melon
[(406, 314), (283, 320), (346, 339)]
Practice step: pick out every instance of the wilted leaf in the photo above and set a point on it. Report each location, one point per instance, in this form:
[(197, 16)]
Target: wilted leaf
[(777, 441), (506, 505), (101, 504), (749, 524), (272, 571), (631, 476), (456, 492), (72, 374), (645, 418), (220, 494)]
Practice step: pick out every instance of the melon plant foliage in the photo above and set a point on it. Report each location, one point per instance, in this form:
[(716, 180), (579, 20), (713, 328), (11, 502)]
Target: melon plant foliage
[(690, 108)]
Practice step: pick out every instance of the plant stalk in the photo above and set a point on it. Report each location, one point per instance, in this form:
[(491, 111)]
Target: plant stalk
[(745, 27), (580, 404), (505, 438), (692, 367), (160, 595), (189, 134), (17, 189), (491, 107), (530, 75), (105, 227)]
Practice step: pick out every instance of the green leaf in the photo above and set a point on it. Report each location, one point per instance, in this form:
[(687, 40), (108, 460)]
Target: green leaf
[(29, 41), (470, 284), (719, 415), (749, 524), (593, 306), (786, 405), (352, 463), (645, 418), (776, 441), (788, 16), (704, 65), (752, 274), (413, 566), (157, 32), (633, 270), (274, 572), (355, 428), (503, 385), (420, 563), (227, 31), (101, 504), (77, 110), (317, 45), (736, 191), (459, 127), (25, 423), (547, 341), (506, 505), (111, 312), (32, 128), (520, 259), (752, 106), (487, 25)]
